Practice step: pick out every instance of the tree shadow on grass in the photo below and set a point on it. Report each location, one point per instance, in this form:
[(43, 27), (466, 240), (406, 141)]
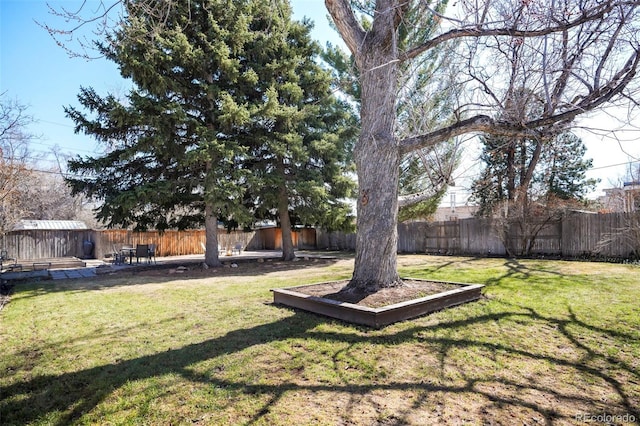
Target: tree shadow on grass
[(77, 393), (430, 267), (594, 365), (515, 268)]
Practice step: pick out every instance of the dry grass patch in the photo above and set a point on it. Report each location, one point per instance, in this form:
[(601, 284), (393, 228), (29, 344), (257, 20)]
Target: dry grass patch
[(546, 344)]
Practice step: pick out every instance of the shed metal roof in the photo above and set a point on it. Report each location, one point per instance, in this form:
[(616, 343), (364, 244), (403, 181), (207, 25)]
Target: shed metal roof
[(67, 225)]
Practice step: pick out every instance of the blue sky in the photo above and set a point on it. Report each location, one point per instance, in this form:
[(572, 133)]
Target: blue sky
[(40, 74)]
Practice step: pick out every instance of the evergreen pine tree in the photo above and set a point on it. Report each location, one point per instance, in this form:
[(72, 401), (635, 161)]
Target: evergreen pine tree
[(178, 146), (523, 170), (300, 140)]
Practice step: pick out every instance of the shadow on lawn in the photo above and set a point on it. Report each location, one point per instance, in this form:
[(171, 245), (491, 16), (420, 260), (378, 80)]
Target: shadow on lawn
[(523, 271), (80, 392), (514, 268)]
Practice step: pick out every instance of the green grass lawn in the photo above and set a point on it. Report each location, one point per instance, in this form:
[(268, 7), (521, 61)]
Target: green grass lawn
[(548, 343)]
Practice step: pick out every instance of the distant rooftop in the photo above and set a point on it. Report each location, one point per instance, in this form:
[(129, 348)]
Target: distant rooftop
[(67, 225)]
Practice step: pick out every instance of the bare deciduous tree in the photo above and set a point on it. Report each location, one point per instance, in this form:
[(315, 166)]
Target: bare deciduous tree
[(25, 191), (14, 152), (579, 54)]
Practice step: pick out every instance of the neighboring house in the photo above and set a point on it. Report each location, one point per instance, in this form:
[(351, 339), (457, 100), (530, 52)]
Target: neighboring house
[(621, 200), (443, 214), (49, 225), (454, 211)]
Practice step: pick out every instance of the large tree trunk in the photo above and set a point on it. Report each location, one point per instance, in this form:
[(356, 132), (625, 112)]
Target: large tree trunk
[(211, 235), (377, 159), (211, 257), (285, 223), (377, 221)]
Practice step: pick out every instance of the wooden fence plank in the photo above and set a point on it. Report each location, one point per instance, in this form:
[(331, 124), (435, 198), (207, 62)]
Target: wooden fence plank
[(576, 234), (40, 244)]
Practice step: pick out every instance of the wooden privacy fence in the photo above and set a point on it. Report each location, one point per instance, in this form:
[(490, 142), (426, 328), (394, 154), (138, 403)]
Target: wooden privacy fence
[(577, 234), (168, 243), (40, 244)]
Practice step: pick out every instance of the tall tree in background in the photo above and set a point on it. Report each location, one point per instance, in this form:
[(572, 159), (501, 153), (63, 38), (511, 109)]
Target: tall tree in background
[(513, 172), (565, 168), (26, 190), (218, 87), (428, 99), (15, 170), (527, 183), (300, 138), (172, 159)]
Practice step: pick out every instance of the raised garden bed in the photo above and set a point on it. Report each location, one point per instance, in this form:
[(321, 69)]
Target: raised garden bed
[(416, 298)]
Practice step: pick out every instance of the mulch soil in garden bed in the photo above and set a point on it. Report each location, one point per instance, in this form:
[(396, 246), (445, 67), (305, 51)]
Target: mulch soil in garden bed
[(411, 289)]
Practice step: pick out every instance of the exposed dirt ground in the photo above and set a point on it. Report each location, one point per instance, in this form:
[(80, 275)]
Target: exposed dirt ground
[(411, 289)]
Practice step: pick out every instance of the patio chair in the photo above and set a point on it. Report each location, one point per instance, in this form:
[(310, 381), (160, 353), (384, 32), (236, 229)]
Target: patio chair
[(237, 247), (142, 251), (118, 256), (152, 254), (220, 249)]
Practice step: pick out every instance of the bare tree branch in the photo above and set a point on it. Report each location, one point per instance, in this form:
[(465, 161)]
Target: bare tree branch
[(538, 128), (479, 123), (479, 30), (350, 29), (408, 200)]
